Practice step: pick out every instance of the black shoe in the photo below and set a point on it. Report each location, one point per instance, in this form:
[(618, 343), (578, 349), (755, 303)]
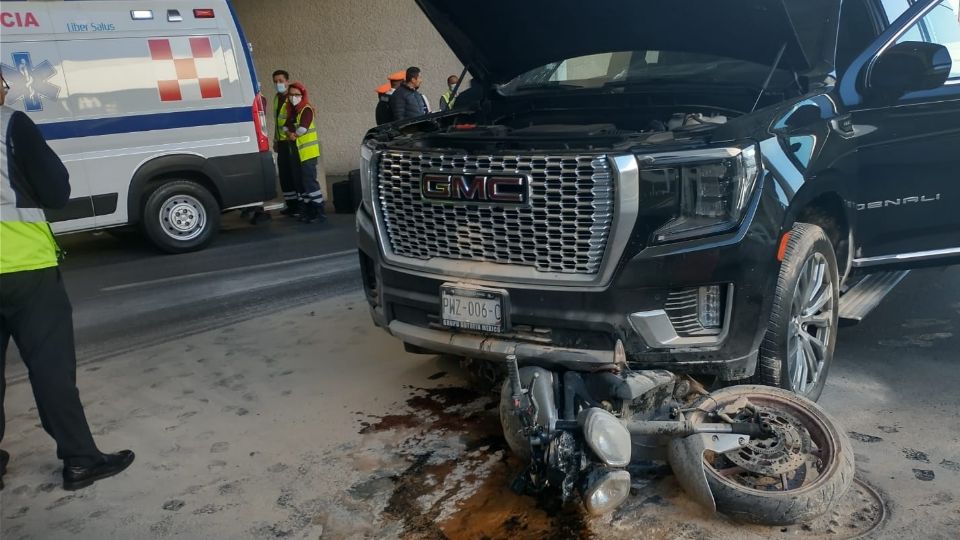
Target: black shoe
[(309, 214), (4, 459), (292, 208), (75, 478), (313, 213)]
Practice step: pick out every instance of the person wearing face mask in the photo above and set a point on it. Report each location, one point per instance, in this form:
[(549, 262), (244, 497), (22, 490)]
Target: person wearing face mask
[(406, 101), (448, 97), (301, 130), (283, 147)]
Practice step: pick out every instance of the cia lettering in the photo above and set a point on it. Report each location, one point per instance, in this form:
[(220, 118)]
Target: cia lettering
[(18, 20)]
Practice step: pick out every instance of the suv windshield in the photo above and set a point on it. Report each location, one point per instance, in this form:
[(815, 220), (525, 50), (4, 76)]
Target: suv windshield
[(639, 67)]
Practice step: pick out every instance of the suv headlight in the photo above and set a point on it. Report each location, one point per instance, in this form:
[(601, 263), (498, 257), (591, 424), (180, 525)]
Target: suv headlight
[(710, 193), (367, 165)]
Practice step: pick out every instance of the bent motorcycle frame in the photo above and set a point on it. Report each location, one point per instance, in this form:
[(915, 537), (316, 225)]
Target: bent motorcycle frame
[(678, 441)]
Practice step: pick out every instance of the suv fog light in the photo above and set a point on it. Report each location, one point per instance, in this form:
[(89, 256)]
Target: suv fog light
[(710, 307), (606, 436), (606, 490)]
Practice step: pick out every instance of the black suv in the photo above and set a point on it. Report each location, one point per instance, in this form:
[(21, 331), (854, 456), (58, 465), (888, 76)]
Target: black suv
[(699, 180)]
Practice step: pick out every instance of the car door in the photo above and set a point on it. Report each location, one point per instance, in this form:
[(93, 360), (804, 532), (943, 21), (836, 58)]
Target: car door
[(908, 149)]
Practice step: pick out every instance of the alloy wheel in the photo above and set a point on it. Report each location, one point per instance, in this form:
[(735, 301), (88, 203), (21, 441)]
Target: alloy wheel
[(811, 325)]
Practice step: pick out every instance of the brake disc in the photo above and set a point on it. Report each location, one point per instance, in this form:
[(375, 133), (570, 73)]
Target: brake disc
[(785, 450)]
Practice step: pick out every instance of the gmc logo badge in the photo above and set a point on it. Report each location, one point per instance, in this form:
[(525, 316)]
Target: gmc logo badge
[(478, 188)]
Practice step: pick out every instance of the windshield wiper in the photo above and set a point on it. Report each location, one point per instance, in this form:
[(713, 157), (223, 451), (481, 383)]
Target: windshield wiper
[(547, 86), (640, 82)]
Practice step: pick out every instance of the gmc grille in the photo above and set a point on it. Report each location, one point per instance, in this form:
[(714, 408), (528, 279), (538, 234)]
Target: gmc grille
[(563, 228)]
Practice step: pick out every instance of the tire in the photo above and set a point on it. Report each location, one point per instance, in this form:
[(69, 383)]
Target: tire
[(798, 505), (484, 376), (181, 216), (512, 427), (801, 335)]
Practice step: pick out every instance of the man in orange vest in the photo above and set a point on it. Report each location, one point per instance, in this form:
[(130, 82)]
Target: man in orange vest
[(384, 114)]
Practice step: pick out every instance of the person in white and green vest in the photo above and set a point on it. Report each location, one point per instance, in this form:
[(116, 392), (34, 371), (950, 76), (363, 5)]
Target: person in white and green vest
[(449, 97), (35, 311)]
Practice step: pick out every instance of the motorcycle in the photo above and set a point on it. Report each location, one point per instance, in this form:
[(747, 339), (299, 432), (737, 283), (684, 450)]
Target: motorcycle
[(755, 453)]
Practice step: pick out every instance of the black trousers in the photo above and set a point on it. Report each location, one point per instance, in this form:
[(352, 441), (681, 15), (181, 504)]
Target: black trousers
[(286, 151), (36, 313), (306, 179)]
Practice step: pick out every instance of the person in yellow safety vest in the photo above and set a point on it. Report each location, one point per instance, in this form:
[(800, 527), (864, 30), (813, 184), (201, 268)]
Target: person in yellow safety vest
[(283, 147), (448, 97), (301, 128), (34, 308)]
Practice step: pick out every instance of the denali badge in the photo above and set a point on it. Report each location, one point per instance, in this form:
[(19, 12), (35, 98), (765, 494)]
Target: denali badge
[(479, 188), (902, 201)]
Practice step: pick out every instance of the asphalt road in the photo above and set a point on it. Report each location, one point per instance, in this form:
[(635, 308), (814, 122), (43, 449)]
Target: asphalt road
[(262, 403), (127, 295)]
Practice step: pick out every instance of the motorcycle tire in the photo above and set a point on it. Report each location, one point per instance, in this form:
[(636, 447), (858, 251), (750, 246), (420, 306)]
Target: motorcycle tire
[(787, 506)]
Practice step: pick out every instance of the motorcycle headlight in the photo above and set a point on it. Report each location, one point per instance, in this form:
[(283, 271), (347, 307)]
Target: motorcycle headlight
[(367, 173), (606, 436), (605, 490), (710, 192)]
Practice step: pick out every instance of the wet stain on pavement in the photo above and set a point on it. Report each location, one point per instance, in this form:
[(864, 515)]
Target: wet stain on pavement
[(461, 491), (916, 455), (173, 505), (950, 465), (864, 438)]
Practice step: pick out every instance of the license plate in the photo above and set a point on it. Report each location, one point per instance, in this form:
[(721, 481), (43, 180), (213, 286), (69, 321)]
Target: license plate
[(471, 308)]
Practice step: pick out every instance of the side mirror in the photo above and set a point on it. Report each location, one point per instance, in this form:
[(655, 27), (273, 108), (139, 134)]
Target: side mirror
[(909, 66)]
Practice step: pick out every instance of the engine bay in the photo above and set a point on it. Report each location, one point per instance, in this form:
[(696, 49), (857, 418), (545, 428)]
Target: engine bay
[(566, 129)]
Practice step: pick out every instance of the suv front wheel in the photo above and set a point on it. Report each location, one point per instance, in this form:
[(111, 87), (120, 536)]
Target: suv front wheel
[(802, 332)]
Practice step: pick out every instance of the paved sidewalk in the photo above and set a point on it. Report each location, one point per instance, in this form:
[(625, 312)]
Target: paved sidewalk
[(311, 422)]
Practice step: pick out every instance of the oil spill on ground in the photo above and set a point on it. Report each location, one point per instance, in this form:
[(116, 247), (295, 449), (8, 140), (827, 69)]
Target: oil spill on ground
[(461, 489), (495, 512)]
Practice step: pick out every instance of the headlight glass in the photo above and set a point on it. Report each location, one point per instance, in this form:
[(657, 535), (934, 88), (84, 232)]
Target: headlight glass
[(606, 490), (607, 437), (367, 165), (709, 196)]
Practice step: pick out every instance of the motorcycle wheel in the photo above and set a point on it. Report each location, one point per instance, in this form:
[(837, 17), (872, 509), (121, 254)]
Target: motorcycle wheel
[(817, 452)]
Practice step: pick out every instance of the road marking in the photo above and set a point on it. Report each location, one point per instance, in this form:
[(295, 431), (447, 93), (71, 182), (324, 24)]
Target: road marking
[(224, 271)]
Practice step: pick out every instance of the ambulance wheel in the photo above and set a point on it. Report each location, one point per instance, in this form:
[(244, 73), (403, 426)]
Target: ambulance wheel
[(181, 216)]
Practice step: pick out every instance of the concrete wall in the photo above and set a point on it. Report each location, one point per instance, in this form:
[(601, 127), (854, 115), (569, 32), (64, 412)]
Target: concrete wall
[(343, 50)]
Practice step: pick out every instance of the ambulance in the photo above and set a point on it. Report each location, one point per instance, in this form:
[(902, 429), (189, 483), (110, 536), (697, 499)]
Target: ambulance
[(154, 107)]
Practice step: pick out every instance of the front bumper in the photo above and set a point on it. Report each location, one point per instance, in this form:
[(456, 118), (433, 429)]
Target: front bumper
[(576, 326)]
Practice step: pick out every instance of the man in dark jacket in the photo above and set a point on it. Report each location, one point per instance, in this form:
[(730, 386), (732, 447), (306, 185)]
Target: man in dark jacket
[(34, 309), (406, 101)]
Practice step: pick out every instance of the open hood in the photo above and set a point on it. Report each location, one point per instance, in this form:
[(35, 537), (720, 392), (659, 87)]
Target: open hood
[(500, 39)]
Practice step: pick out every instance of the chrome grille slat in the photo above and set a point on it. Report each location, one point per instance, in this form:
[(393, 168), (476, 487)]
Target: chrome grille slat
[(681, 307), (564, 228)]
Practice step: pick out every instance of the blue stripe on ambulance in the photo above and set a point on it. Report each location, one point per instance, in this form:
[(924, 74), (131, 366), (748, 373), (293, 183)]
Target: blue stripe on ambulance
[(145, 122)]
